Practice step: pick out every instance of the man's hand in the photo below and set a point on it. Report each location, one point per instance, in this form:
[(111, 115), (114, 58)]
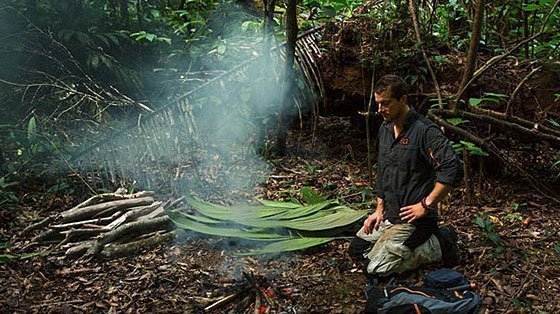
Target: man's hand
[(374, 220), (411, 213)]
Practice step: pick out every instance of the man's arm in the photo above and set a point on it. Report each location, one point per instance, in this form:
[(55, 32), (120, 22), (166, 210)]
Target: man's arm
[(416, 211), (375, 219), (439, 192), (445, 161)]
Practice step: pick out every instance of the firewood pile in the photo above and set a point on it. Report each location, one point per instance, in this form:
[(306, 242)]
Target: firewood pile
[(107, 225)]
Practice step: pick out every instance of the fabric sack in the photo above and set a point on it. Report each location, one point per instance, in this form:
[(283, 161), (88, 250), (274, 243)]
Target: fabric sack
[(422, 300), (444, 278), (444, 291)]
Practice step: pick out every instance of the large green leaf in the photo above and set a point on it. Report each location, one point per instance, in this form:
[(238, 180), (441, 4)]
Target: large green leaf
[(203, 219), (334, 220), (184, 222), (268, 203), (289, 245), (315, 223), (302, 211), (226, 212), (301, 218), (309, 196)]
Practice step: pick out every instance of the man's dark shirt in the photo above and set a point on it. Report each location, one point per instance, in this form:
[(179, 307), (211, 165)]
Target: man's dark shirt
[(409, 165)]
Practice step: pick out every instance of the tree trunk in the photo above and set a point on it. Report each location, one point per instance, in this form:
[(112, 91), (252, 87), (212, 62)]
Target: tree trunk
[(124, 11), (269, 6), (283, 117), (473, 46)]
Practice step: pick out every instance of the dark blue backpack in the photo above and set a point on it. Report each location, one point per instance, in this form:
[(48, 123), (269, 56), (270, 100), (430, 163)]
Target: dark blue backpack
[(444, 291)]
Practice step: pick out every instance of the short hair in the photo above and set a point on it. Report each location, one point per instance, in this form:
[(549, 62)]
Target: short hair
[(393, 83)]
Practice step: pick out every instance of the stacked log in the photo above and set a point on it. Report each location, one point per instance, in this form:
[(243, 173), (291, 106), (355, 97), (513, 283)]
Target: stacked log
[(108, 225)]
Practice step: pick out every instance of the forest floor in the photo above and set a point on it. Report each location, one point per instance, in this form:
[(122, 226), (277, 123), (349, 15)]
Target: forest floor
[(196, 271)]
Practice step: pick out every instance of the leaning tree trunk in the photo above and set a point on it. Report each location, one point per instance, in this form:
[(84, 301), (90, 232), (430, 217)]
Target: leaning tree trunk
[(473, 46)]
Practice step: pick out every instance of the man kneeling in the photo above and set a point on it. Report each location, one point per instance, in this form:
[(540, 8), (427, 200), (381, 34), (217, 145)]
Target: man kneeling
[(417, 167)]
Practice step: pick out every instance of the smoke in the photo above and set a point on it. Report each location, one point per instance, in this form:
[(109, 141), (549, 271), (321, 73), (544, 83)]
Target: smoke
[(204, 138), (208, 143)]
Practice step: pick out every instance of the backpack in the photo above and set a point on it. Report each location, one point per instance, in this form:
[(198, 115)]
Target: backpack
[(444, 291)]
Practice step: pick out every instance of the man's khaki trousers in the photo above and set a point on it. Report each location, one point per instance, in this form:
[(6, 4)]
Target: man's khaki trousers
[(390, 255)]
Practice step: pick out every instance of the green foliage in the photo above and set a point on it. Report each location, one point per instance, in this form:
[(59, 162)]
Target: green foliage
[(448, 14), (290, 226), (487, 227), (7, 257), (487, 98), (8, 198), (143, 35), (289, 245), (553, 123), (516, 206), (470, 147), (457, 121), (513, 217), (557, 248), (328, 9), (310, 197)]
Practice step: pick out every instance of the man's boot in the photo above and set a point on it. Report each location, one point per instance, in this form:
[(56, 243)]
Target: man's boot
[(449, 250)]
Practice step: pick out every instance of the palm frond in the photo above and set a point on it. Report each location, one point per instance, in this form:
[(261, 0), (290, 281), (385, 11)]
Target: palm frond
[(289, 245), (290, 226), (186, 223)]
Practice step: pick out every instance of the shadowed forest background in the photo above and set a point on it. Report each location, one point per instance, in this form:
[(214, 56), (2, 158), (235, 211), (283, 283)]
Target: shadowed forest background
[(144, 142)]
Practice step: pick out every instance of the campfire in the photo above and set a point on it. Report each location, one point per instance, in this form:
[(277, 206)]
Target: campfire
[(255, 295)]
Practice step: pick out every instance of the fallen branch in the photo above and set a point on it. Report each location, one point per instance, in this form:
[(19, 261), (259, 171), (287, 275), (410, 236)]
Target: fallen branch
[(487, 145), (108, 225), (117, 195), (38, 225), (131, 248), (532, 133), (83, 222), (134, 214), (225, 300), (89, 211), (129, 229), (78, 249), (526, 123)]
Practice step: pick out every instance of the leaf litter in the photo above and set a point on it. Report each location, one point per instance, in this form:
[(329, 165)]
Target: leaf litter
[(198, 271)]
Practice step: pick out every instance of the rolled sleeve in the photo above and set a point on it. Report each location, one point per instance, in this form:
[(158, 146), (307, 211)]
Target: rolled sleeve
[(441, 155), (380, 163), (379, 184)]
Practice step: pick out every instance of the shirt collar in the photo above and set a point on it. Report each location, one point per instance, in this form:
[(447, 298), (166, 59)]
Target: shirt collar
[(411, 117)]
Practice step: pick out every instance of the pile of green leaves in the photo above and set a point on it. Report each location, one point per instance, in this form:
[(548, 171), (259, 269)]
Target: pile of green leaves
[(281, 226)]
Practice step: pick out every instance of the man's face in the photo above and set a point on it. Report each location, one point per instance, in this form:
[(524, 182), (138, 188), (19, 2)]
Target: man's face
[(389, 107)]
